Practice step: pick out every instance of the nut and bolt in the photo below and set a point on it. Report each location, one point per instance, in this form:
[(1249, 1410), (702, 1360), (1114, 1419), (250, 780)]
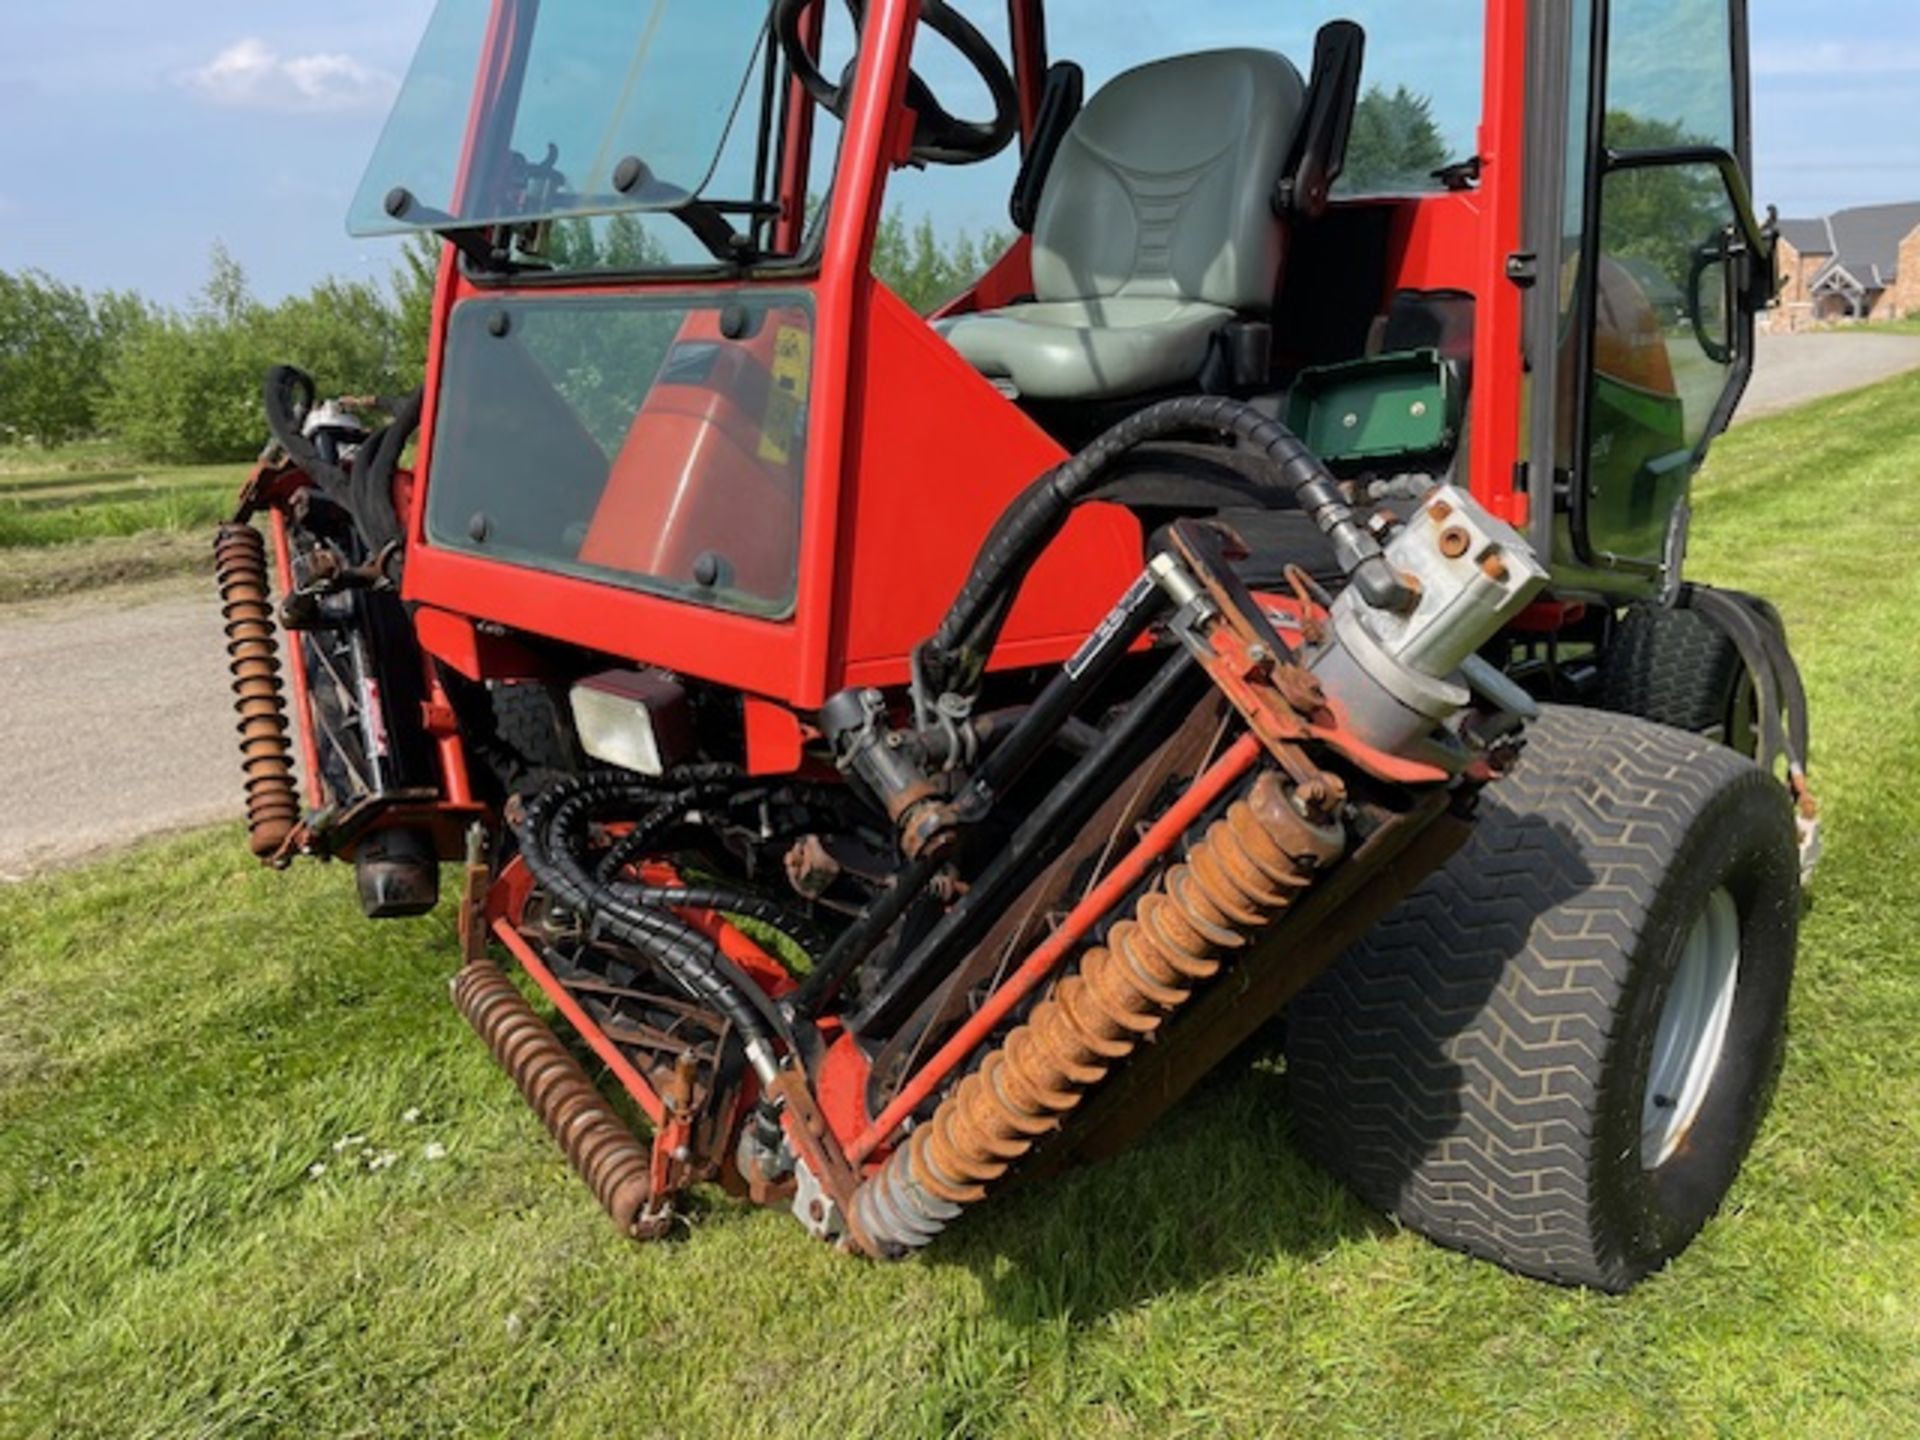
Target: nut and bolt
[(1454, 542)]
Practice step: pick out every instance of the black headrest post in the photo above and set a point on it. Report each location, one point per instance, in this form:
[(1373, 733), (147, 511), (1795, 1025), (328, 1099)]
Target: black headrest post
[(1320, 154), (1061, 95)]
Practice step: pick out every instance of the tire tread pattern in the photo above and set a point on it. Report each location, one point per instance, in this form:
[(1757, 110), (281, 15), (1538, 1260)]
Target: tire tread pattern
[(1449, 1066)]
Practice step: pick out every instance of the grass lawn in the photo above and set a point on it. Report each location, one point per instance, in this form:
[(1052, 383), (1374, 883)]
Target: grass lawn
[(193, 1240), (82, 516)]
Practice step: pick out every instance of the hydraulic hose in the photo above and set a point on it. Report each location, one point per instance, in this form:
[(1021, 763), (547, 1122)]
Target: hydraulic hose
[(552, 835), (956, 654), (364, 491), (371, 484), (1775, 678), (668, 798), (288, 395), (669, 809)]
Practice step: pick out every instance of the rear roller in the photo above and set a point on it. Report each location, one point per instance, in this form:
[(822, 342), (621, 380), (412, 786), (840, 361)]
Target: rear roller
[(597, 1142), (253, 657)]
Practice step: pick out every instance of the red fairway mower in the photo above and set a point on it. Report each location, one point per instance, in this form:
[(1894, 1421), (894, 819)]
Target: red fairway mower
[(909, 752)]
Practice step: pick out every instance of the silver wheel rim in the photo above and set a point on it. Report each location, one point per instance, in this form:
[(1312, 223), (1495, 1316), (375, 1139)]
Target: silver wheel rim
[(1692, 1030)]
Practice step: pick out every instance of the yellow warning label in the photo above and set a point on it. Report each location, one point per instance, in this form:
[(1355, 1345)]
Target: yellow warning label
[(787, 396)]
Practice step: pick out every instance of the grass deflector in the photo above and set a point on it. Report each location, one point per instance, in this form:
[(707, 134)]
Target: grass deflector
[(909, 752)]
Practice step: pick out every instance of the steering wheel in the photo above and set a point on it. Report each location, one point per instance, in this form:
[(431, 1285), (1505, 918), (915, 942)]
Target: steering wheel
[(939, 136)]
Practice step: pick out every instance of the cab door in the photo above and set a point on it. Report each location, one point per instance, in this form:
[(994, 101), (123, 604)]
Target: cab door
[(1662, 270)]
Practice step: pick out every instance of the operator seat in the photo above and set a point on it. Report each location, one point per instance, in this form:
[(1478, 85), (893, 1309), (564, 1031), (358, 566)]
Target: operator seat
[(1156, 227)]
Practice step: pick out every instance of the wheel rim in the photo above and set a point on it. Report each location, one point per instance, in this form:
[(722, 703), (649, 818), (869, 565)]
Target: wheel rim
[(1692, 1030)]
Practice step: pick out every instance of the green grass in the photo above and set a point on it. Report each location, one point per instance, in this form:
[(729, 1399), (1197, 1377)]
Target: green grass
[(82, 517), (182, 1037)]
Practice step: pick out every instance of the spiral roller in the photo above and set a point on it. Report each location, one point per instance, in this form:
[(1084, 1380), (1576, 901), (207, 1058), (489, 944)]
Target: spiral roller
[(253, 658), (1243, 875), (597, 1142)]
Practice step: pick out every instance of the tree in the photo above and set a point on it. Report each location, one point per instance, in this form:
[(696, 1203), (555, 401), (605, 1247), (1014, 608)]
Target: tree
[(186, 386), (1654, 220), (1394, 141), (54, 346), (925, 271), (413, 282)]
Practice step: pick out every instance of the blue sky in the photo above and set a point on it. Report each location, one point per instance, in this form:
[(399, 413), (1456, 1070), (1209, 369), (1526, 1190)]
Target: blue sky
[(136, 133)]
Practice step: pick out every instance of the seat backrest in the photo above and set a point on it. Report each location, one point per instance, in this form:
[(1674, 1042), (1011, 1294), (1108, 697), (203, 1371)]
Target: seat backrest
[(1163, 186)]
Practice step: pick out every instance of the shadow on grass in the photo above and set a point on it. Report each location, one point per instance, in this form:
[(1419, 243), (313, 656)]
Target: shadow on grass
[(1219, 1185)]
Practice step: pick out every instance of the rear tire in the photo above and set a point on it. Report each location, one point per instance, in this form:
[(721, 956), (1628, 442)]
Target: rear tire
[(527, 720), (1482, 1065), (1677, 668)]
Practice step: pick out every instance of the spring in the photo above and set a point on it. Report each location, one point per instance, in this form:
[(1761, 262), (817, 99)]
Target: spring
[(597, 1142), (253, 657), (1244, 874)]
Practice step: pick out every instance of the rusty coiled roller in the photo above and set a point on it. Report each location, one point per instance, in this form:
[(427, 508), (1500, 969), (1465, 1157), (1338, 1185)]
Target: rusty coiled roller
[(597, 1142), (253, 658), (1242, 876)]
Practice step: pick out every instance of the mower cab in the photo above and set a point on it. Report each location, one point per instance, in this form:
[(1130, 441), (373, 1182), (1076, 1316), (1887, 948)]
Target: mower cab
[(878, 733)]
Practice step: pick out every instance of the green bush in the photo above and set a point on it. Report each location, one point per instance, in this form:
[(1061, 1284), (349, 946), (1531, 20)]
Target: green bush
[(55, 347), (186, 387)]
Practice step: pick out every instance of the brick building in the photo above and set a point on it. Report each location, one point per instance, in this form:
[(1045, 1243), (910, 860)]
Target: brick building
[(1858, 264)]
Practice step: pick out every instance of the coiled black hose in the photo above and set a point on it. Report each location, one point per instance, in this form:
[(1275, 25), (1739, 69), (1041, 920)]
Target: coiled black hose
[(1754, 628), (553, 842), (372, 477), (956, 654)]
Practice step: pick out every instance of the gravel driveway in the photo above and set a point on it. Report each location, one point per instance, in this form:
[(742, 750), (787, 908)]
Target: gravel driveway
[(1790, 370)]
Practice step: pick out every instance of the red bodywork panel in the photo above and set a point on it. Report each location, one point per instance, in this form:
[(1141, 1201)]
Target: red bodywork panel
[(909, 454), (717, 457)]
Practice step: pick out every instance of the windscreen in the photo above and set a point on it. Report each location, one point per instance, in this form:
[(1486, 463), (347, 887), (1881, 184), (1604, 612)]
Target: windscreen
[(594, 107), (655, 441)]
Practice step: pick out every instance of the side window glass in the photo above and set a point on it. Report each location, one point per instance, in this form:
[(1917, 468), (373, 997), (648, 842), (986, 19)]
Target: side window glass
[(1664, 328), (1663, 347)]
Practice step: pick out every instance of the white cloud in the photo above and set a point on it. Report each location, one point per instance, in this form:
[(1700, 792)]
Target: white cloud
[(251, 74)]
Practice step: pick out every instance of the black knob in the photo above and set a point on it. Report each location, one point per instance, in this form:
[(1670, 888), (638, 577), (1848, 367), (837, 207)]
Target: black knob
[(707, 568), (499, 323), (399, 200), (479, 527)]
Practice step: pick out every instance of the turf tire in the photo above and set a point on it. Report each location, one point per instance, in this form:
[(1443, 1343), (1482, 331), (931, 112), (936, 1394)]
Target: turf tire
[(1676, 668), (1477, 1065)]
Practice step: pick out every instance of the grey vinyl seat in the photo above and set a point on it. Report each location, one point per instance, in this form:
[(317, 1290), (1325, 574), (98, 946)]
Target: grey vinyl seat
[(1155, 228)]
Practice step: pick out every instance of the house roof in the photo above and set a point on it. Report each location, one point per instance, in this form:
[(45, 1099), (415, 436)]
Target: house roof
[(1809, 237), (1866, 243)]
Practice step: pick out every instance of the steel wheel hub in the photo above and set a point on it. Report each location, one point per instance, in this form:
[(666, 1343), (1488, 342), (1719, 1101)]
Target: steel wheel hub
[(1692, 1030)]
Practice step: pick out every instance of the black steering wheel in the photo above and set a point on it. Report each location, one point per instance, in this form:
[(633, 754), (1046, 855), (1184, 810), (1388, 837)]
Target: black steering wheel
[(939, 136)]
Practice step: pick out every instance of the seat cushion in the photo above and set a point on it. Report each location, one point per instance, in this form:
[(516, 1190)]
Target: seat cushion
[(1073, 349)]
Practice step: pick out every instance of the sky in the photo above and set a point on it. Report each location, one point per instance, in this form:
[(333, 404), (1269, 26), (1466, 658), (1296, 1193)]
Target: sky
[(136, 134)]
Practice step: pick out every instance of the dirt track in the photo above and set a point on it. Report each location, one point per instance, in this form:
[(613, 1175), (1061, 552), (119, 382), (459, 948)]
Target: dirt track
[(115, 721)]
